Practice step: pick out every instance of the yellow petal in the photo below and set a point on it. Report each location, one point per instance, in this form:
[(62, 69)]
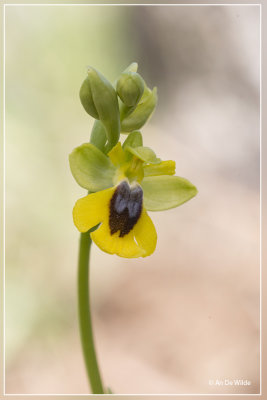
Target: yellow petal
[(145, 234), (164, 168), (92, 209), (113, 244), (117, 155)]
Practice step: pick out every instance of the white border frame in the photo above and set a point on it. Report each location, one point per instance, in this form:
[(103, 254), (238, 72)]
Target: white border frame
[(4, 197)]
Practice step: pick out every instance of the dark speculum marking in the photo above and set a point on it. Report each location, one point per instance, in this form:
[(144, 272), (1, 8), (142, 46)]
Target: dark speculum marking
[(125, 208)]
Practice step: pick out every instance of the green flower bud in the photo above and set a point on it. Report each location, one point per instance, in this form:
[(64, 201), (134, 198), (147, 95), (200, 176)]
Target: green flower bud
[(130, 88), (99, 100), (142, 112), (87, 99), (98, 135)]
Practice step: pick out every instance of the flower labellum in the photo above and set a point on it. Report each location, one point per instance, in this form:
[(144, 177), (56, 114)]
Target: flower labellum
[(125, 208)]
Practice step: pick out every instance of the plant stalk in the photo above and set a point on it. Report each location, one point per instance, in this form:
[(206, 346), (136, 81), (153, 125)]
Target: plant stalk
[(85, 319)]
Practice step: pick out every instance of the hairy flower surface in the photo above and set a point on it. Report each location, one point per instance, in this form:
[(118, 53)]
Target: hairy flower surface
[(126, 183)]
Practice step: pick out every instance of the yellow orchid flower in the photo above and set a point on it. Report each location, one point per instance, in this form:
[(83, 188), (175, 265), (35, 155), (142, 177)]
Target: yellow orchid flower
[(126, 183)]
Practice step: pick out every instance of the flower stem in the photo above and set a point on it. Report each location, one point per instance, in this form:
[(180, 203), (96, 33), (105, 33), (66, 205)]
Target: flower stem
[(85, 321)]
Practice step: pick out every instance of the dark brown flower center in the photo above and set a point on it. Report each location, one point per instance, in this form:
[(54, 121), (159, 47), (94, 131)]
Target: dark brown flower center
[(125, 208)]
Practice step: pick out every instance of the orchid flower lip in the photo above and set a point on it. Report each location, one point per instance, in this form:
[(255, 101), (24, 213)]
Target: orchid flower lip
[(125, 208)]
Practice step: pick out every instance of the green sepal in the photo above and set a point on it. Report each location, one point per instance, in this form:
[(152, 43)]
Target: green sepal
[(144, 153), (100, 101), (134, 139), (91, 168), (142, 112), (166, 191)]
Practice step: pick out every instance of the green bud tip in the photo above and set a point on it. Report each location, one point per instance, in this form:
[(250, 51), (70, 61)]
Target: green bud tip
[(132, 67)]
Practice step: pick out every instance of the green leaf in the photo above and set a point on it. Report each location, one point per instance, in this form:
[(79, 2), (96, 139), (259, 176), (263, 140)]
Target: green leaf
[(144, 153), (91, 168), (134, 139), (166, 191)]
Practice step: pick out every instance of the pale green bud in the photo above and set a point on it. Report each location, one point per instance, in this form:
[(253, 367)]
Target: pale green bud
[(98, 135), (87, 98), (99, 100), (130, 88), (142, 112)]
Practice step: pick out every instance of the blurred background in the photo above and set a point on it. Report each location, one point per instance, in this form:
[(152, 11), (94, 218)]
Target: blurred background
[(190, 312)]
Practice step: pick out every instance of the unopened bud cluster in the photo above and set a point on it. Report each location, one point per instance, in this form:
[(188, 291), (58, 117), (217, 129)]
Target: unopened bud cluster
[(122, 108)]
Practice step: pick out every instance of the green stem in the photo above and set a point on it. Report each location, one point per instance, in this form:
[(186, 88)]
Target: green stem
[(85, 315)]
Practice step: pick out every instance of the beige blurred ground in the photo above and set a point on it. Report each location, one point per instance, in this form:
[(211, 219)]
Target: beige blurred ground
[(190, 312)]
